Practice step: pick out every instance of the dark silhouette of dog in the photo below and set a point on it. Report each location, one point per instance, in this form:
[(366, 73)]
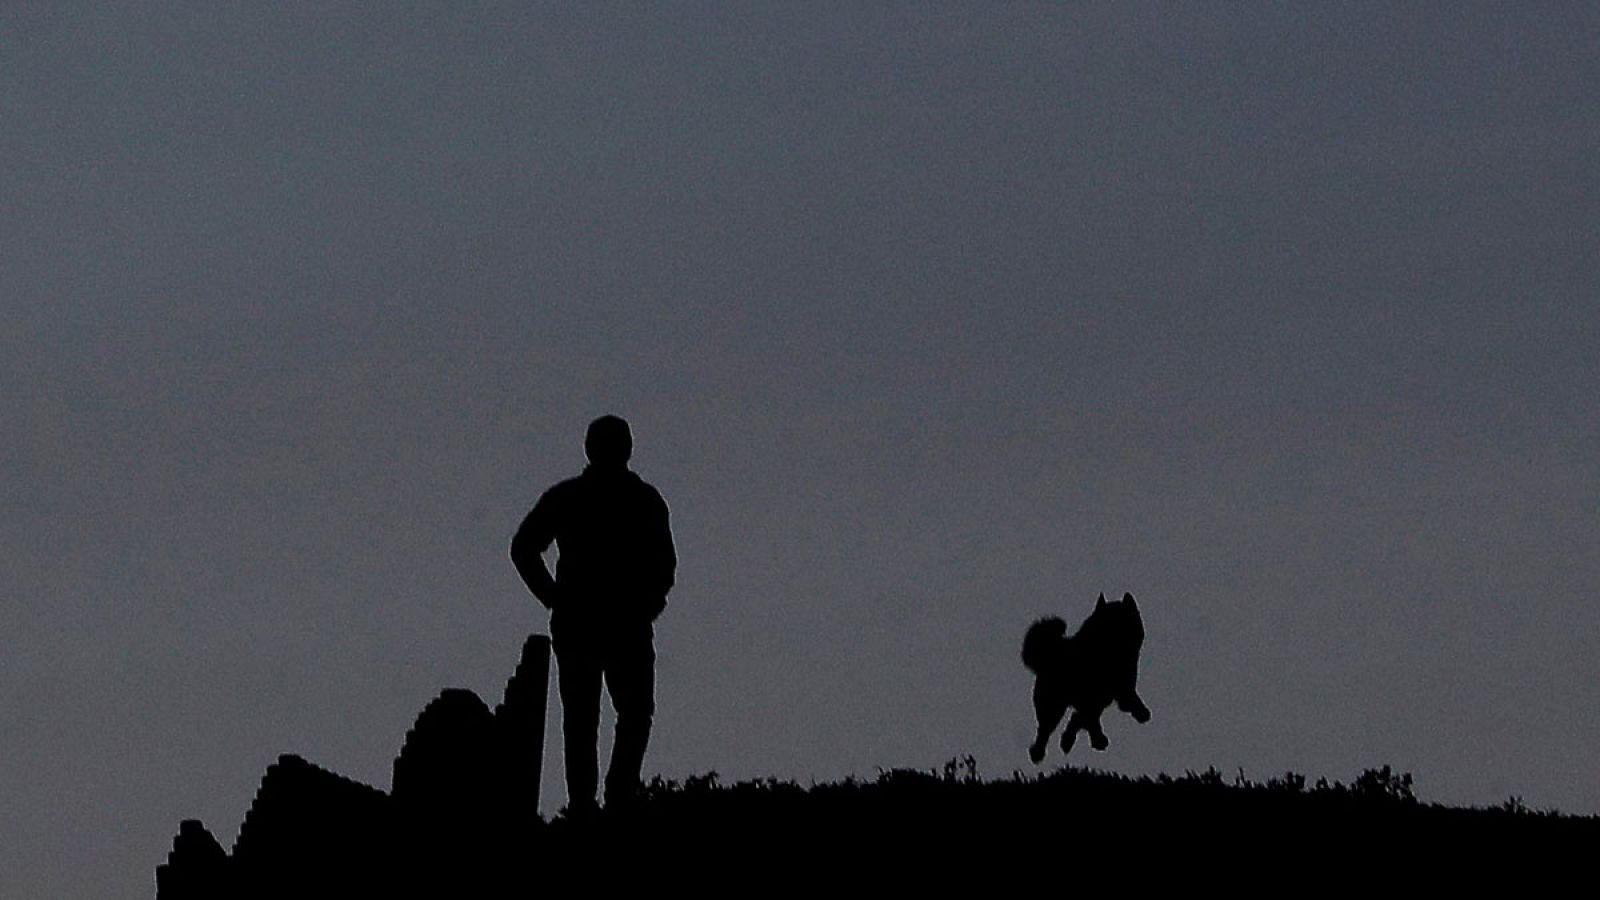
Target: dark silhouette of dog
[(1097, 666)]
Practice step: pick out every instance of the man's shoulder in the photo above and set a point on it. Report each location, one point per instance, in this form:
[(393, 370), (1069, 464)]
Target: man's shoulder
[(561, 490), (648, 490), (584, 487)]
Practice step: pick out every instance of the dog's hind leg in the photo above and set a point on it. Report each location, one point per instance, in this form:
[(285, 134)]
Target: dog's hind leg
[(1081, 721), (1049, 706)]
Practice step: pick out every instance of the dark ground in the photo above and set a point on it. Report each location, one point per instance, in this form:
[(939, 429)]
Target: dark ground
[(917, 830)]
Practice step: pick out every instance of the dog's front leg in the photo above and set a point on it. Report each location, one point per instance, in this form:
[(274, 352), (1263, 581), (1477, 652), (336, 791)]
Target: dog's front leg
[(1131, 704), (1097, 735), (1082, 721), (1070, 736)]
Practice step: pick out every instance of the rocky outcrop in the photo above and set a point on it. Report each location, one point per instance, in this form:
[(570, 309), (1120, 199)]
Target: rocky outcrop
[(448, 755), (312, 832), (465, 793), (519, 725), (196, 868)]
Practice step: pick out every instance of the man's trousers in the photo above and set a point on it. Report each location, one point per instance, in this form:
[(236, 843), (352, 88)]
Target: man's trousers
[(626, 665)]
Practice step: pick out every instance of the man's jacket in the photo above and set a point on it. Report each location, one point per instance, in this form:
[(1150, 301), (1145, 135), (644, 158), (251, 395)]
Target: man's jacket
[(615, 560)]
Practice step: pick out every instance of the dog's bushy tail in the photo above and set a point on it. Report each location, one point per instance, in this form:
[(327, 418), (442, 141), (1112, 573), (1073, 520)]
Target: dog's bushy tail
[(1041, 641)]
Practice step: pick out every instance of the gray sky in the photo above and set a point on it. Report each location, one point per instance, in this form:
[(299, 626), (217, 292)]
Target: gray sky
[(929, 320)]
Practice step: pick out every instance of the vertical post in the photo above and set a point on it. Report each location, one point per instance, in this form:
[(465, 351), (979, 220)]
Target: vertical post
[(520, 721)]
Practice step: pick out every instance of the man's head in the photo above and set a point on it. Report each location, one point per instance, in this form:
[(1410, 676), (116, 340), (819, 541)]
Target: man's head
[(609, 443)]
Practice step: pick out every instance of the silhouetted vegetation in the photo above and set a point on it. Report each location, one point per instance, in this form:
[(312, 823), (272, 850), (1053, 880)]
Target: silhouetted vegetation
[(461, 819), (912, 824), (1198, 819)]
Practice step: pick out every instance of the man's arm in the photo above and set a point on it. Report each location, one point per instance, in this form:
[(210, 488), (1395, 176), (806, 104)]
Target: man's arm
[(527, 547), (664, 563)]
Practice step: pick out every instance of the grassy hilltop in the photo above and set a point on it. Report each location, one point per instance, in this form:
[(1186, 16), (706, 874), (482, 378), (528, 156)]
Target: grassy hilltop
[(460, 820), (923, 827), (313, 833)]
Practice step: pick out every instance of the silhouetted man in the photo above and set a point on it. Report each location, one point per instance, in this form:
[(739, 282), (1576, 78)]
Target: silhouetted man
[(614, 568)]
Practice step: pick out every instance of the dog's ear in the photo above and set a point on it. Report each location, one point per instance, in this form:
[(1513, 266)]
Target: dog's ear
[(1127, 598), (1099, 604)]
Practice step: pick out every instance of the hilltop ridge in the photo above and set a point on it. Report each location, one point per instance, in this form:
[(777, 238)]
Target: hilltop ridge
[(462, 818)]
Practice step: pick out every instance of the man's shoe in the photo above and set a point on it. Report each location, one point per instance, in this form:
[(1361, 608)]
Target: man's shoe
[(620, 800), (580, 812)]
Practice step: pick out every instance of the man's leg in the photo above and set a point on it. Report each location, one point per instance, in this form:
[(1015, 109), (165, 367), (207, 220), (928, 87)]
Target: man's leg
[(631, 679), (578, 679)]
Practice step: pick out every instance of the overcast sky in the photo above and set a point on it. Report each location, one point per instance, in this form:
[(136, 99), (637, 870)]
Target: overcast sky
[(929, 320)]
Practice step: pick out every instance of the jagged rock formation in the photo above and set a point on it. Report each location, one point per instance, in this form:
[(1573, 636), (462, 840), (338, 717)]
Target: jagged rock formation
[(311, 831), (519, 725), (196, 867), (465, 791), (448, 759)]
